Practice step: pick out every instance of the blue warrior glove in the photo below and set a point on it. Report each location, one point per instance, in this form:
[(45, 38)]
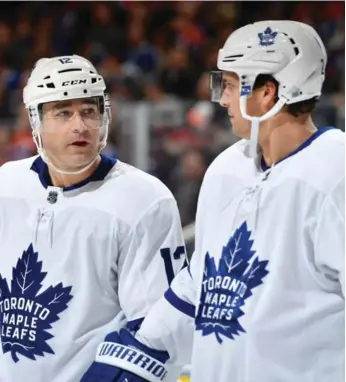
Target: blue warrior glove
[(121, 358)]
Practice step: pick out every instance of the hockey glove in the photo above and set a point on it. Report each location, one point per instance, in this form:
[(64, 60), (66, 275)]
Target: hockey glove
[(122, 358)]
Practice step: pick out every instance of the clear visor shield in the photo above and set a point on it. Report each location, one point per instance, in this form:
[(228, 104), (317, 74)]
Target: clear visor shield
[(216, 84), (217, 87), (87, 114), (83, 122)]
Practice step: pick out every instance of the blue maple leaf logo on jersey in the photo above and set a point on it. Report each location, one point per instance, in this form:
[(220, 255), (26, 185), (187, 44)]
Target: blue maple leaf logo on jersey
[(225, 288), (25, 314), (267, 37)]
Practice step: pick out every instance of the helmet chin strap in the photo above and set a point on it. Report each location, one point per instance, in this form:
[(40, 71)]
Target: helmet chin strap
[(255, 122), (42, 152), (49, 163)]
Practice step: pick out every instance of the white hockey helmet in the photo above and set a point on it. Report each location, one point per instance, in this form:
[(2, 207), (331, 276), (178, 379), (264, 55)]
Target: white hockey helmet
[(64, 78), (290, 51)]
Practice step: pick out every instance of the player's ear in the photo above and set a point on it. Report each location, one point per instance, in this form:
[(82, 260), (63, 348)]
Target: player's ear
[(270, 89), (269, 94)]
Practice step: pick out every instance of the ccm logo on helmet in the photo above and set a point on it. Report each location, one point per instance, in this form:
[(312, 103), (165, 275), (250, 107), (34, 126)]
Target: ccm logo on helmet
[(74, 82)]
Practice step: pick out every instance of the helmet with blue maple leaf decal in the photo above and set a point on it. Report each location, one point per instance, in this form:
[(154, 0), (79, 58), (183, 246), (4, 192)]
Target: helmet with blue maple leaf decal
[(291, 52)]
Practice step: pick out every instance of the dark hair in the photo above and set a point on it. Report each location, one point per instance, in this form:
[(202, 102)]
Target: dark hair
[(296, 109)]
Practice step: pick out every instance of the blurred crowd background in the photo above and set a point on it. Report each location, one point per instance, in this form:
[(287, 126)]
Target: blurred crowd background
[(155, 57)]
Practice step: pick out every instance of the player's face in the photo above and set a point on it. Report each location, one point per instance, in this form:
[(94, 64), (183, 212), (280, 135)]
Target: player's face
[(70, 132), (241, 127)]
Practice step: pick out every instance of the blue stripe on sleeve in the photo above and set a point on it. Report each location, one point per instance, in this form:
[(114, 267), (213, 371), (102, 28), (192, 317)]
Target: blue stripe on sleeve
[(180, 304)]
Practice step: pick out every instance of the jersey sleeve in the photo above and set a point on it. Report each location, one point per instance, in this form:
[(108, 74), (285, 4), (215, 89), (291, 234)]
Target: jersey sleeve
[(150, 257), (170, 324), (330, 238)]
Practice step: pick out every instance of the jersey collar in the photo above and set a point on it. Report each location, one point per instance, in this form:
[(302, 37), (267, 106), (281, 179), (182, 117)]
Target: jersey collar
[(41, 168), (300, 148)]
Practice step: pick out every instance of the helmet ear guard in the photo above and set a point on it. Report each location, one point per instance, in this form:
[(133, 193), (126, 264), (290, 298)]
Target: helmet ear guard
[(290, 51)]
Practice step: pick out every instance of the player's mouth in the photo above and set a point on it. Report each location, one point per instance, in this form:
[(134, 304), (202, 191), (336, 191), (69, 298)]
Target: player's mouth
[(80, 143)]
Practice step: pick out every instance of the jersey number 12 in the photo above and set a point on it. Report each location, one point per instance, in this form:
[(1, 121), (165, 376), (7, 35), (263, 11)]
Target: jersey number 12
[(167, 259)]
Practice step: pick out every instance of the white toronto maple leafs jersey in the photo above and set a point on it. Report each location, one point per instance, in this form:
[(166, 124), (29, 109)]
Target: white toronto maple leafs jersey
[(263, 297), (78, 263)]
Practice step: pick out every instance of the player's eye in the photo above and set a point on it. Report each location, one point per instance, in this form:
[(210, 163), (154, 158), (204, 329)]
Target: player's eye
[(230, 85), (90, 112), (64, 113)]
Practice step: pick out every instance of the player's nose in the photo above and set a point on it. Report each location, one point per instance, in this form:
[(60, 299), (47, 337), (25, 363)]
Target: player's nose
[(224, 102), (78, 123)]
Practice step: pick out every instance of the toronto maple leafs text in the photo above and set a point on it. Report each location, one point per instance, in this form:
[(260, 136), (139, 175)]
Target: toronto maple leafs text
[(217, 294), (20, 318)]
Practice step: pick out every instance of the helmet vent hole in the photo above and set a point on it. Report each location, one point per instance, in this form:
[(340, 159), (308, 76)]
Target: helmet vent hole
[(232, 58), (65, 94), (322, 69), (50, 85), (70, 70)]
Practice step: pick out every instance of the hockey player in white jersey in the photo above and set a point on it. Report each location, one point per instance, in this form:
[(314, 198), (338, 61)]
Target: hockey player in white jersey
[(88, 243), (263, 296)]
